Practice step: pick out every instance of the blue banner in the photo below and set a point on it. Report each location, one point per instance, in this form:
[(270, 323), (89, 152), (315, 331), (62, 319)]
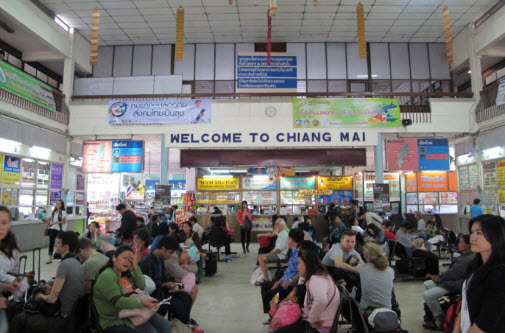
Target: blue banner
[(177, 111), (179, 185), (433, 154), (151, 184), (338, 197), (127, 156)]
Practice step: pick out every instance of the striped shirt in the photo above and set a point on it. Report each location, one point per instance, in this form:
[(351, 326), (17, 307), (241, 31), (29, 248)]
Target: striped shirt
[(405, 239)]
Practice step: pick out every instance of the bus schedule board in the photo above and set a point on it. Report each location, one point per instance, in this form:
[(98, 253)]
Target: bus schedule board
[(113, 156)]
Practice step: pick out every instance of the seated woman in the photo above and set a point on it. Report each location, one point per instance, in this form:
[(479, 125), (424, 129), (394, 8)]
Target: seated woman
[(141, 241), (120, 276), (218, 236), (191, 238), (376, 279), (377, 236), (322, 298), (94, 235), (181, 268)]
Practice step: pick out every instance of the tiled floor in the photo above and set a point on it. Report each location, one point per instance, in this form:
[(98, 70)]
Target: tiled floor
[(227, 303)]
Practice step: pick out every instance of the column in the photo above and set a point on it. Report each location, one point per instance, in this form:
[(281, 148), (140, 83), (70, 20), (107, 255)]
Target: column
[(164, 161), (69, 72), (379, 165), (475, 65)]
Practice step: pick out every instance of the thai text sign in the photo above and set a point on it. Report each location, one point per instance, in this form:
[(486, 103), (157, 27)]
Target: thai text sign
[(500, 167), (334, 183), (433, 181), (26, 86), (254, 75), (345, 112), (381, 192), (317, 192), (177, 111), (259, 183), (218, 183), (411, 180), (298, 183), (12, 171), (113, 156), (433, 154)]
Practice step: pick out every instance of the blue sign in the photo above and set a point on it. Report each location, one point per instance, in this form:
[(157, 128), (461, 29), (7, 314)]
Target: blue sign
[(253, 72), (338, 197), (151, 184), (127, 156), (177, 185), (433, 154)]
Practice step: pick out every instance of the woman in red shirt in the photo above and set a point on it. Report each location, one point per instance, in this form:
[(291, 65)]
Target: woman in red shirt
[(245, 231)]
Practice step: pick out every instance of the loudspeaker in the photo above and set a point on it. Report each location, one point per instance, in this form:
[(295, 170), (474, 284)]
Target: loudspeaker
[(406, 122)]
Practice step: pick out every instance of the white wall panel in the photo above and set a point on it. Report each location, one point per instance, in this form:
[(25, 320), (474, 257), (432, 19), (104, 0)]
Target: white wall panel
[(142, 59), (133, 85), (357, 68), (225, 62), (162, 59), (103, 67), (122, 61), (299, 49), (204, 69), (336, 61), (419, 61), (186, 67), (379, 58), (316, 61), (438, 62), (93, 86), (400, 69)]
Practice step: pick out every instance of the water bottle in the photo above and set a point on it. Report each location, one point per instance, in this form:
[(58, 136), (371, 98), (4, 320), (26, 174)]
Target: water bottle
[(276, 298)]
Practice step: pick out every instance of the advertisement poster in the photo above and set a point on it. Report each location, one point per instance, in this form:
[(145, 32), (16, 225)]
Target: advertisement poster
[(97, 156), (337, 197), (490, 176), (151, 184), (501, 195), (10, 197), (162, 195), (57, 176), (12, 170), (448, 197), (473, 173), (500, 168), (411, 198), (165, 111), (433, 154), (1, 164), (79, 198), (334, 183), (369, 181), (411, 180), (491, 197), (43, 174), (393, 179), (259, 183), (345, 112), (433, 181), (26, 86), (500, 96), (28, 172), (127, 156), (381, 192), (402, 154), (428, 198), (218, 183), (359, 186), (464, 178), (56, 195), (298, 183), (254, 75), (80, 182)]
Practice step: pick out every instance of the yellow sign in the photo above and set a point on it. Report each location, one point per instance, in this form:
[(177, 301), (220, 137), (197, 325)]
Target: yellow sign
[(500, 166), (501, 195), (318, 192), (335, 183), (218, 183), (216, 202), (1, 166)]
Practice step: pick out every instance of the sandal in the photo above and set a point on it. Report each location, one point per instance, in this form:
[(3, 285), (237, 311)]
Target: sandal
[(432, 326), (267, 322)]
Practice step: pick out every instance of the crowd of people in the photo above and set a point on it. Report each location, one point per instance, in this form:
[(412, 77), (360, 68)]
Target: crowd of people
[(130, 281)]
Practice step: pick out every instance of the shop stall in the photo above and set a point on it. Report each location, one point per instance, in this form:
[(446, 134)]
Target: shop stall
[(364, 183)]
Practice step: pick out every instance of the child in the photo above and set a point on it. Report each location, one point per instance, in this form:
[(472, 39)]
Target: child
[(288, 311)]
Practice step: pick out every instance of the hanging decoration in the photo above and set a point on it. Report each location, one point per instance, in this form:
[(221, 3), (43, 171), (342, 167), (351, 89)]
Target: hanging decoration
[(448, 37), (360, 14), (269, 39), (93, 45), (315, 3), (273, 7), (179, 37), (230, 2)]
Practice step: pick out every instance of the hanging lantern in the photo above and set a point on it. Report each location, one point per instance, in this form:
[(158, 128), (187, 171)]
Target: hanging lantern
[(273, 8), (269, 39), (448, 36), (360, 14), (315, 3), (93, 45), (179, 36), (230, 2)]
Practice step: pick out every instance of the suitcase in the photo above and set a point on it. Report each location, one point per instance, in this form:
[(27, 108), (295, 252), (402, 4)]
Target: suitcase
[(210, 264), (36, 277), (415, 267)]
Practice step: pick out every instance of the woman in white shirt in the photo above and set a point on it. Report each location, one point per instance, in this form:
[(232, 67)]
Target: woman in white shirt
[(56, 223)]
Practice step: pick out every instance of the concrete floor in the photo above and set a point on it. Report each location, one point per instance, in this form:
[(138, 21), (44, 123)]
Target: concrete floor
[(227, 303)]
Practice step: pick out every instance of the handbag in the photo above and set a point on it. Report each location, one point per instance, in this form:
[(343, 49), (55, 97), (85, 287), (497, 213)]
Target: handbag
[(46, 230), (138, 316), (247, 224), (106, 247)]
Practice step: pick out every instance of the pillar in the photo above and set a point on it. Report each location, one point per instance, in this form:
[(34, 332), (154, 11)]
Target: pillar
[(164, 161), (379, 165)]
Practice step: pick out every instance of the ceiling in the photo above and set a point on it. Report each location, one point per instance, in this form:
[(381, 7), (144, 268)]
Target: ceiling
[(126, 22)]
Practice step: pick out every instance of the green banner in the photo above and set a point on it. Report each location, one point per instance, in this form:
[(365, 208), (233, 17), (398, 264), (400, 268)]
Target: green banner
[(26, 86), (345, 112)]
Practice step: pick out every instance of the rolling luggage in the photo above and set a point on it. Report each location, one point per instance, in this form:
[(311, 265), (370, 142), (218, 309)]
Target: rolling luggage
[(210, 264)]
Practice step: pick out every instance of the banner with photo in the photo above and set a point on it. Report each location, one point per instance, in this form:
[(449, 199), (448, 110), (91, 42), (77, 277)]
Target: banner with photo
[(345, 112), (165, 111)]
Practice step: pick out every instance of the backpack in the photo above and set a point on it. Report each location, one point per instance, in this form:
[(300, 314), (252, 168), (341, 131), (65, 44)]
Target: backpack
[(452, 316)]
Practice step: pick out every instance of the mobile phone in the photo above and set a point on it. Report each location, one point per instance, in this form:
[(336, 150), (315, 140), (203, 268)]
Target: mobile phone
[(179, 286)]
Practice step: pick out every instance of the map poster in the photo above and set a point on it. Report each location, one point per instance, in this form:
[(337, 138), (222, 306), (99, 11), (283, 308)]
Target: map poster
[(97, 156), (402, 154), (464, 180), (490, 176)]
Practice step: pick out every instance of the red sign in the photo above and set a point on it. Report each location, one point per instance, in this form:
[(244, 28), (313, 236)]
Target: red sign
[(402, 154), (97, 156)]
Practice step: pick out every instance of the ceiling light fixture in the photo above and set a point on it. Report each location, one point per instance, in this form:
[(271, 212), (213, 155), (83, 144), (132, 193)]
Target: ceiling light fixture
[(217, 176), (469, 71), (61, 23)]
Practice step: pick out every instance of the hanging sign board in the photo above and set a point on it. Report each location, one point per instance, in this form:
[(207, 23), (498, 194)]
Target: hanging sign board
[(259, 183), (113, 156), (433, 154), (218, 184), (433, 181), (381, 192), (316, 192), (334, 183), (298, 183)]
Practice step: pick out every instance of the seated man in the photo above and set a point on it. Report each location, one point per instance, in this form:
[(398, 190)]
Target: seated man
[(449, 282), (389, 229), (280, 252), (338, 228), (342, 259), (67, 288), (196, 227), (153, 266), (91, 262), (290, 277), (403, 237), (421, 230)]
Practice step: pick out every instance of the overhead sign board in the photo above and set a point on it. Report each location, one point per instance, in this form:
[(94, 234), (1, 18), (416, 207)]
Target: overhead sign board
[(218, 183), (113, 156)]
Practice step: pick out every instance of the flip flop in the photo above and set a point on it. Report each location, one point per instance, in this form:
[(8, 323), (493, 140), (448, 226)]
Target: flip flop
[(267, 322)]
